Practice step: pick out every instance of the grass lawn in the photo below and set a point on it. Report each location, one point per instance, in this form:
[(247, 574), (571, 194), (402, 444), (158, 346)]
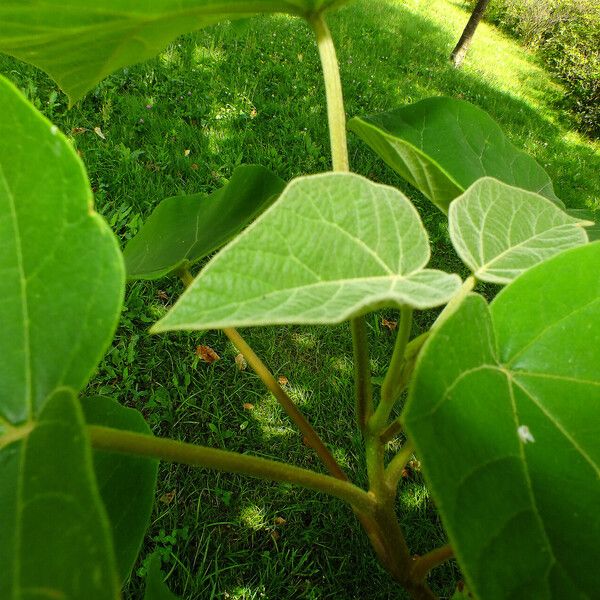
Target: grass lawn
[(252, 92)]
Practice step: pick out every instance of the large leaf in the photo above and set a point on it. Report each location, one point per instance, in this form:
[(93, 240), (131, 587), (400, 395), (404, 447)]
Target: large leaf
[(62, 280), (332, 247), (504, 412), (184, 229), (79, 43), (499, 231), (61, 284), (442, 146), (55, 537), (127, 483)]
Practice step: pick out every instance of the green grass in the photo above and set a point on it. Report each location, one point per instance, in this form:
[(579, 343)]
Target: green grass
[(252, 92)]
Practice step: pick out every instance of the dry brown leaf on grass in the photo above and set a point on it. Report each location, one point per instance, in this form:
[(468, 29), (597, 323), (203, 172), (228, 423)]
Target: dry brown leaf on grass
[(99, 133), (207, 354), (248, 406), (283, 380), (240, 362), (391, 325), (280, 521), (168, 497)]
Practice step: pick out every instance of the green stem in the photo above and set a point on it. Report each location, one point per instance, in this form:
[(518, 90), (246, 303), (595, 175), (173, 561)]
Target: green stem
[(394, 380), (393, 472), (336, 114), (117, 440), (391, 431), (186, 277), (310, 435), (424, 564)]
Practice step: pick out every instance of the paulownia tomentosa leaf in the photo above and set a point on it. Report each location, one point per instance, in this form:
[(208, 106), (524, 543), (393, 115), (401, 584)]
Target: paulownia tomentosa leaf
[(126, 482), (332, 247), (80, 43), (442, 146), (504, 411), (184, 229), (55, 537), (62, 287), (500, 231)]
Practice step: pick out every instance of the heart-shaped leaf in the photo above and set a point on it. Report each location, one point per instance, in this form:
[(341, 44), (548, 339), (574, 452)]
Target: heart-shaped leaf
[(442, 146), (80, 43), (499, 231), (184, 229), (332, 247), (127, 483), (504, 412), (62, 287), (55, 537)]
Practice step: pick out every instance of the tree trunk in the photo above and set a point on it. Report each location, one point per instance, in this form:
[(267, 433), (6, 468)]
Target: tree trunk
[(459, 52)]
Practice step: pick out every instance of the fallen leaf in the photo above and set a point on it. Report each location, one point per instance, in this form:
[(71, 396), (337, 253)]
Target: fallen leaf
[(253, 113), (162, 295), (248, 406), (77, 130), (168, 497), (207, 354), (186, 152), (275, 535), (280, 521), (391, 325), (194, 166), (283, 380), (99, 133), (240, 362)]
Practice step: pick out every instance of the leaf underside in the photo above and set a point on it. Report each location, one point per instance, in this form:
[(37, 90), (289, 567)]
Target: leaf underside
[(80, 43), (504, 412), (332, 247), (185, 229), (442, 146), (500, 231)]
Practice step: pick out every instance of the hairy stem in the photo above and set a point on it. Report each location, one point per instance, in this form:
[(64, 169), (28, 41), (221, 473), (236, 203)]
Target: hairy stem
[(394, 381), (455, 302), (429, 561), (117, 440), (393, 472), (336, 114), (311, 436)]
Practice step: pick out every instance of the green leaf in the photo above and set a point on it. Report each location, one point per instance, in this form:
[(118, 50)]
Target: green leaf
[(504, 413), (332, 247), (184, 229), (80, 43), (500, 231), (62, 286), (62, 281), (442, 146), (55, 537), (127, 483), (156, 588), (585, 214)]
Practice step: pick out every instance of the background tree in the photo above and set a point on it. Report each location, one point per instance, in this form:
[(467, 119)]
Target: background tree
[(460, 50)]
